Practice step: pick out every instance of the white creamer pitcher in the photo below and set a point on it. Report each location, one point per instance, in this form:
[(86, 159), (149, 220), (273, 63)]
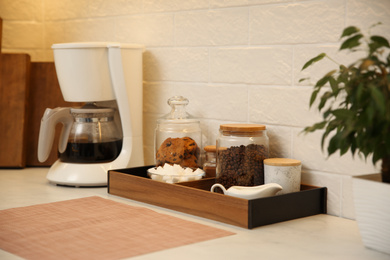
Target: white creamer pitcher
[(250, 192)]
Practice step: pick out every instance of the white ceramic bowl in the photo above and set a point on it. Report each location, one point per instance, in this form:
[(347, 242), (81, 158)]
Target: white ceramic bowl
[(174, 178)]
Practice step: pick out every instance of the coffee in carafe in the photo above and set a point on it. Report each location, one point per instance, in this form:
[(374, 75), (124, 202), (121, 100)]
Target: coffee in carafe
[(94, 136), (91, 152)]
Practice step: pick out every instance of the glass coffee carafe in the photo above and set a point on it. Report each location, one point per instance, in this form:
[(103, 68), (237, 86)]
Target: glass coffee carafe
[(94, 137)]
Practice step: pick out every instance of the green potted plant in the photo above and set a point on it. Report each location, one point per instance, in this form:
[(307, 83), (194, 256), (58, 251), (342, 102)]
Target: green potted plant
[(354, 101)]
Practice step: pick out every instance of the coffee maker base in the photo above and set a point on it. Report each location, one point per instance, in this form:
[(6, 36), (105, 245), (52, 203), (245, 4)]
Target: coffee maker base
[(78, 175)]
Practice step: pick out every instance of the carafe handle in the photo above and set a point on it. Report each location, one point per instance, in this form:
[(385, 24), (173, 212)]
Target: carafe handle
[(50, 119)]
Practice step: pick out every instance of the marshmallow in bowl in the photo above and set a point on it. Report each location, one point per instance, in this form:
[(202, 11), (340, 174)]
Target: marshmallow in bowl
[(175, 169), (175, 173)]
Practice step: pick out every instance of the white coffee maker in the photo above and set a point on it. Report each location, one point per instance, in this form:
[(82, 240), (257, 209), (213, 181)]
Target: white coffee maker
[(108, 77)]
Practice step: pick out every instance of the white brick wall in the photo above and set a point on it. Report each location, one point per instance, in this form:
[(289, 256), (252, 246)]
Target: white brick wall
[(292, 23), (236, 61), (252, 65), (212, 27)]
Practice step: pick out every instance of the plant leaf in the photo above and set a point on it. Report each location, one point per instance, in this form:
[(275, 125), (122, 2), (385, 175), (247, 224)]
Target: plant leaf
[(353, 148), (316, 126), (313, 97), (324, 99), (327, 113), (313, 60), (322, 81), (330, 73), (303, 79), (343, 69), (334, 143), (376, 157), (343, 114), (329, 128), (370, 114), (349, 31), (344, 146), (351, 42), (359, 92), (334, 86), (380, 40), (379, 99)]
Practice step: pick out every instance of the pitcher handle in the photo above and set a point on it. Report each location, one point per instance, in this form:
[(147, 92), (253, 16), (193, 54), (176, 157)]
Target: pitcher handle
[(219, 186), (50, 119)]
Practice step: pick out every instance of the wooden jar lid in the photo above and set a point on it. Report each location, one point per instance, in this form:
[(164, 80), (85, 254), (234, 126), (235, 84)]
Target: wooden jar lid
[(242, 127), (282, 162), (210, 148)]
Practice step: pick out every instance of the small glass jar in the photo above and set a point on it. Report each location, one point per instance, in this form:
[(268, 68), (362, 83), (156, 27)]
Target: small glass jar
[(178, 136), (210, 160), (241, 150)]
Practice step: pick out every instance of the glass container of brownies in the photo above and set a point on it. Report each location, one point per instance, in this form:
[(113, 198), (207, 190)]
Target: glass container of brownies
[(178, 136), (241, 150)]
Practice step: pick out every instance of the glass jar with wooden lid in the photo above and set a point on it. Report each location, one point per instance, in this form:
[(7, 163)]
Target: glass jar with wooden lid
[(241, 150)]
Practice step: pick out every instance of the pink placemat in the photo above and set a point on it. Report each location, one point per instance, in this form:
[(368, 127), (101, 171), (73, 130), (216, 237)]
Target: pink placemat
[(95, 228)]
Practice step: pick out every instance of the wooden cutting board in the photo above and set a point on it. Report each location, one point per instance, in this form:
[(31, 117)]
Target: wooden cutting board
[(1, 31), (14, 80), (26, 90), (45, 93)]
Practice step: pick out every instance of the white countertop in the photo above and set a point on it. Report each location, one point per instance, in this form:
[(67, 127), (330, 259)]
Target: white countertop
[(315, 237)]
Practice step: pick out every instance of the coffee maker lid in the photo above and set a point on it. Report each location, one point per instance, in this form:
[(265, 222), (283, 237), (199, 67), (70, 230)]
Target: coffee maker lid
[(91, 108), (78, 45)]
